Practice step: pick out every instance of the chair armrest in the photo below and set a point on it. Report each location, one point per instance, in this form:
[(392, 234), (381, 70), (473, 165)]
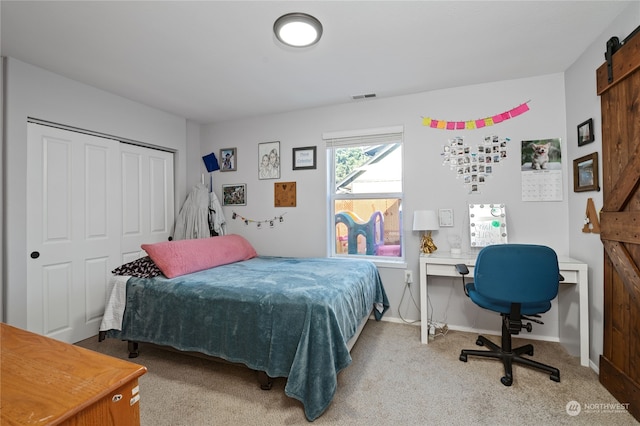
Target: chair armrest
[(462, 269)]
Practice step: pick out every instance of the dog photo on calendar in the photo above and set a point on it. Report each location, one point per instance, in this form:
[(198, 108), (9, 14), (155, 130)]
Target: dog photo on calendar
[(541, 155)]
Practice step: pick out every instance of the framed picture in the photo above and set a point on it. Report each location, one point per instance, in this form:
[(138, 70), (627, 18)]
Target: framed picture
[(269, 160), (585, 173), (445, 217), (585, 132), (228, 159), (234, 194), (284, 194), (304, 158)]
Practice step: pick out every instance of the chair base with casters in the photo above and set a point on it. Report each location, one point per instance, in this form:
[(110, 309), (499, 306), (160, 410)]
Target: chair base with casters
[(508, 355), (518, 281)]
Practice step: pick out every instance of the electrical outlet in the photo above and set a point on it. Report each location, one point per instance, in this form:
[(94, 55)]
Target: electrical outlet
[(408, 276)]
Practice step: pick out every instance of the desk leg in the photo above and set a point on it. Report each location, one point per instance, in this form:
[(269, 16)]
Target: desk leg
[(424, 305), (573, 327), (583, 285)]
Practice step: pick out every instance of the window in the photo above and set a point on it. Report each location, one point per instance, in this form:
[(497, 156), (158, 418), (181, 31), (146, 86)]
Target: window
[(365, 193)]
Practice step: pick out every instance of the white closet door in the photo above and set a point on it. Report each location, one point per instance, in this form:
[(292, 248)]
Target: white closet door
[(92, 201), (147, 198), (72, 231)]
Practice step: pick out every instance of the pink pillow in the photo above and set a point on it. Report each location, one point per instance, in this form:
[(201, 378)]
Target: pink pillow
[(175, 258)]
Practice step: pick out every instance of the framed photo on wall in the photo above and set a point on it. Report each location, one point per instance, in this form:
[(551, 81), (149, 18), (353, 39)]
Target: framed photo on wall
[(445, 217), (234, 194), (228, 159), (304, 158), (585, 132), (269, 160), (585, 173)]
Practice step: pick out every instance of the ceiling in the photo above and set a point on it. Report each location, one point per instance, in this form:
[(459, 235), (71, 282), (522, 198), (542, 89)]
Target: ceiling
[(211, 61)]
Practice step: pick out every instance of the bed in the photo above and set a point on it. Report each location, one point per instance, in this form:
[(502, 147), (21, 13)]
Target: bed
[(286, 317)]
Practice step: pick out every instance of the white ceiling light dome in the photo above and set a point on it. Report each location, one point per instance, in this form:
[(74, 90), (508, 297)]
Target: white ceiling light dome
[(297, 29)]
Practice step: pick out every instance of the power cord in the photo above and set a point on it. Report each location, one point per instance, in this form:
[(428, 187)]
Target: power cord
[(407, 286), (436, 328)]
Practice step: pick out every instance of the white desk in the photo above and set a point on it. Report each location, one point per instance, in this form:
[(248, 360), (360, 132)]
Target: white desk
[(573, 271)]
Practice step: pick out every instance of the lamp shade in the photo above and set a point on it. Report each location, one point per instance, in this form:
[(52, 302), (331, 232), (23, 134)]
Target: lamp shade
[(425, 220)]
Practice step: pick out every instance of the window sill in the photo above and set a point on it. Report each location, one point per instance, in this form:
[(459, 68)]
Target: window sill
[(379, 262), (390, 264)]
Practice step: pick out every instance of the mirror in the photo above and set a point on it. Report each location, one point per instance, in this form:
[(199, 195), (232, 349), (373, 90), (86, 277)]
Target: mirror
[(487, 224)]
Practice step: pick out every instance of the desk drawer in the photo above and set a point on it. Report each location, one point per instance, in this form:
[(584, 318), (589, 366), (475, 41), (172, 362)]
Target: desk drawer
[(446, 270), (570, 277)]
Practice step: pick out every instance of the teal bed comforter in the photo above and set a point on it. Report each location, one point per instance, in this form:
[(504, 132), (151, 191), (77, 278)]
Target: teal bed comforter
[(288, 317)]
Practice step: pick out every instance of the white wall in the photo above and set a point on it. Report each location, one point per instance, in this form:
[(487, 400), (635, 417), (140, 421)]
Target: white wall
[(583, 103), (193, 158), (34, 92), (428, 184)]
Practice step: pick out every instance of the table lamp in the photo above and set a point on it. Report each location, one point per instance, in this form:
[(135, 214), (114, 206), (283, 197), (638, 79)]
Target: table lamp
[(426, 221)]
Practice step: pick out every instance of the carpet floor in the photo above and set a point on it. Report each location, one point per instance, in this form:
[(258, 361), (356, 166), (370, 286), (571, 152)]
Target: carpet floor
[(393, 380)]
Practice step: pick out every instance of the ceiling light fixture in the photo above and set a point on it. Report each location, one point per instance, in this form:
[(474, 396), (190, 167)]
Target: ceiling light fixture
[(297, 29)]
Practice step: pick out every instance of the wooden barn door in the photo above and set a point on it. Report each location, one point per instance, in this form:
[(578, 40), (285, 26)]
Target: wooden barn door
[(620, 223)]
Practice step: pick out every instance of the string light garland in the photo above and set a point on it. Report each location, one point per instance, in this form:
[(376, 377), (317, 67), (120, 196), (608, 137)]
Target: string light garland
[(478, 123), (259, 223)]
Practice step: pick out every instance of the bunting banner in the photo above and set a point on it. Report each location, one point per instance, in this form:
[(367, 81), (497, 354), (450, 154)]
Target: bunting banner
[(478, 123)]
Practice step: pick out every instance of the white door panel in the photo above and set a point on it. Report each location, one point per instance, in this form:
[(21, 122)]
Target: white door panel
[(71, 180), (132, 194), (92, 201), (56, 295), (161, 195), (147, 198), (49, 236)]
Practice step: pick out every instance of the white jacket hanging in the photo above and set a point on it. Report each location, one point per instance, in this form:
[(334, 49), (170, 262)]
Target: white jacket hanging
[(193, 219)]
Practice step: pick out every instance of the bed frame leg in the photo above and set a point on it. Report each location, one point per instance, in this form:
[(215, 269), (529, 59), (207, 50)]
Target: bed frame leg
[(265, 381), (133, 349)]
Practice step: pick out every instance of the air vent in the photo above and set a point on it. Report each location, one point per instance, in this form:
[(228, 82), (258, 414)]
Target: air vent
[(364, 96)]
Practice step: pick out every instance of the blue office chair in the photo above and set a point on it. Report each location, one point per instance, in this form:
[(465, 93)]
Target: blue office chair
[(518, 281)]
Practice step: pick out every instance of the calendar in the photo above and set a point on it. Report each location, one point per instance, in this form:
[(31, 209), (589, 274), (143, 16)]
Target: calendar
[(542, 185), (541, 170)]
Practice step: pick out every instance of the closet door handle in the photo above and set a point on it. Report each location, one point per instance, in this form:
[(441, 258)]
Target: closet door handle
[(35, 254)]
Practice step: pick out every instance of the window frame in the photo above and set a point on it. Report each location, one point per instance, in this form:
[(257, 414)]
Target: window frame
[(367, 137)]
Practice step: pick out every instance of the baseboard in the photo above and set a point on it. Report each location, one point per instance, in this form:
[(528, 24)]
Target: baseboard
[(400, 321)]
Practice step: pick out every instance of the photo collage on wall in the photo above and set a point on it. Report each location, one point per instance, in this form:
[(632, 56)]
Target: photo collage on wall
[(474, 166)]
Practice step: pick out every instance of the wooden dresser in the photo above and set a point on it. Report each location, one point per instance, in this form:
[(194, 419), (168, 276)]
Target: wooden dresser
[(47, 382)]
